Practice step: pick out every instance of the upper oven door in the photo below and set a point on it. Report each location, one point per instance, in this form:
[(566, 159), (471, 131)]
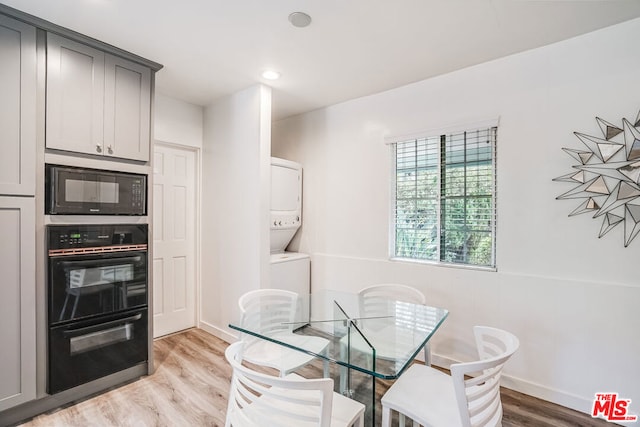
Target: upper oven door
[(83, 286), (94, 192)]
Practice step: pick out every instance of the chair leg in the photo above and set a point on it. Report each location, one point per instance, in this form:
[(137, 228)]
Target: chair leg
[(325, 368), (427, 354), (123, 293), (75, 306), (64, 307), (343, 371), (343, 379), (386, 417)]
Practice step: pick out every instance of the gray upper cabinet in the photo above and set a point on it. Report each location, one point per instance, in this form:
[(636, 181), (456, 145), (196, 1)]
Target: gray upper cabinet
[(17, 107), (97, 103), (127, 109), (75, 92)]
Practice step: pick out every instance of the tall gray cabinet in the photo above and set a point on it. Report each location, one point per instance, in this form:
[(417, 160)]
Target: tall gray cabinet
[(17, 212), (69, 99)]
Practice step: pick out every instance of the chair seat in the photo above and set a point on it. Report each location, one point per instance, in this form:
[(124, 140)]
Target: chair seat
[(426, 395), (257, 399), (390, 343), (276, 356), (271, 313), (345, 411), (469, 397), (344, 414), (264, 411)]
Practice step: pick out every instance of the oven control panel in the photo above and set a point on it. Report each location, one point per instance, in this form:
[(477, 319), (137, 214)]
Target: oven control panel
[(85, 236), (76, 239)]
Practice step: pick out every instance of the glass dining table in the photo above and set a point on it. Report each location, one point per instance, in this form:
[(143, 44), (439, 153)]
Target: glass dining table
[(368, 340)]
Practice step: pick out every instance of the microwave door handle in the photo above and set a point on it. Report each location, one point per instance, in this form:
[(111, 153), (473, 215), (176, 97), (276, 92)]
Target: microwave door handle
[(70, 333)]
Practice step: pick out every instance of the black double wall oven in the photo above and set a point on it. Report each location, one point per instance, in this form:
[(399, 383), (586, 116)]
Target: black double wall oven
[(97, 301)]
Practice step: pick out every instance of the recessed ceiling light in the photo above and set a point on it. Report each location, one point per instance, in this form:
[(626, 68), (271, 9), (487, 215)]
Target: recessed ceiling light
[(299, 19), (271, 75)]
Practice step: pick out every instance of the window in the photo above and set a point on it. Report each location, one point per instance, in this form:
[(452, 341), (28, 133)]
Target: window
[(444, 204)]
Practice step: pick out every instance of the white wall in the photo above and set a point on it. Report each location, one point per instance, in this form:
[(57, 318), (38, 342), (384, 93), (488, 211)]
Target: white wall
[(570, 297), (235, 204), (177, 122)]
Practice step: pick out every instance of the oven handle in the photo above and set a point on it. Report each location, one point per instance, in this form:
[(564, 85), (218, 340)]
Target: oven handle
[(110, 260), (70, 333)]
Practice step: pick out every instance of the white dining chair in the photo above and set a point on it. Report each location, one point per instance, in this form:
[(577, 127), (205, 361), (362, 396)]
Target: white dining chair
[(271, 312), (374, 302), (433, 398), (260, 400)]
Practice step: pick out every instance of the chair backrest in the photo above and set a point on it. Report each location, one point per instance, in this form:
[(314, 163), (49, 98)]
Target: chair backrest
[(479, 396), (374, 299), (257, 399), (268, 310), (76, 278)]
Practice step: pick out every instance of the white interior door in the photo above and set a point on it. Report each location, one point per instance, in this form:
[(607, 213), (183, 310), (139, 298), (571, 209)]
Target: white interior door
[(174, 239)]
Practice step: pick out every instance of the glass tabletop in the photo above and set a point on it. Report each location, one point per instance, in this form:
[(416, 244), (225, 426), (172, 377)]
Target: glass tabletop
[(376, 336)]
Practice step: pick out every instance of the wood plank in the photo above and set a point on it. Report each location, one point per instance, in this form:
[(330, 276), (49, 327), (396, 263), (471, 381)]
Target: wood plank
[(191, 384)]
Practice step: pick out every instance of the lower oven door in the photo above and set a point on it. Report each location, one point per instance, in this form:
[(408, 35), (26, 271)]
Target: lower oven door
[(85, 351)]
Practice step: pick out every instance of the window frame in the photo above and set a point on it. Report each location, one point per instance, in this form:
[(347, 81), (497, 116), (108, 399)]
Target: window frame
[(439, 133)]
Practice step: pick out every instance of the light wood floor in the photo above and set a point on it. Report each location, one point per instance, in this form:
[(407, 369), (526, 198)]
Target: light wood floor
[(190, 386)]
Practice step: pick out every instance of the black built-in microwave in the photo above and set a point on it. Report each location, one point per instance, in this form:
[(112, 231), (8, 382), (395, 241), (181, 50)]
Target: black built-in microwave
[(82, 191)]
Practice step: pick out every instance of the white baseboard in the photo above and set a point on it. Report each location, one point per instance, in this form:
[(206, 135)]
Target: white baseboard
[(559, 397), (217, 332)]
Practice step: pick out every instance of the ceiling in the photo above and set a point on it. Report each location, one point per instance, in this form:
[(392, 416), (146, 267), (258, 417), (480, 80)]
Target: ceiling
[(353, 48)]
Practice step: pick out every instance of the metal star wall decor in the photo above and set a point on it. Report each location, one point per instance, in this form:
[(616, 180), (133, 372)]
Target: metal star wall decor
[(607, 177)]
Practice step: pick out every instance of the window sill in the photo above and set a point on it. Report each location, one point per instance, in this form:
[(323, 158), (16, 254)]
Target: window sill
[(443, 264)]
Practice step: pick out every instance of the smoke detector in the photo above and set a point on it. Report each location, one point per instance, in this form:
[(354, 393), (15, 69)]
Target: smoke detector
[(299, 19)]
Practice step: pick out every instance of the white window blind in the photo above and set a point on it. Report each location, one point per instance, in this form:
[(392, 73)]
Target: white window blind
[(444, 204)]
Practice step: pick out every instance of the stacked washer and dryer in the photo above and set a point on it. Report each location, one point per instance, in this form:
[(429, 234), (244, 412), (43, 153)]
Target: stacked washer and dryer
[(289, 270)]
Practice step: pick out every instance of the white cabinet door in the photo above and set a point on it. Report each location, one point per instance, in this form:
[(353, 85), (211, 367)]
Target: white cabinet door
[(17, 293), (17, 107), (127, 109), (75, 96)]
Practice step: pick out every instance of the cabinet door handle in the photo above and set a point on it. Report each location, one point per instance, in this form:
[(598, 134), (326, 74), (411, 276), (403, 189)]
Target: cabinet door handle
[(98, 148), (110, 150)]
